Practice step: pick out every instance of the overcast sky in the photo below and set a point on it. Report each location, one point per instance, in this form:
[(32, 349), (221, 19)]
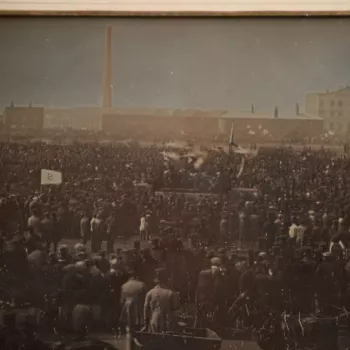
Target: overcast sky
[(175, 63)]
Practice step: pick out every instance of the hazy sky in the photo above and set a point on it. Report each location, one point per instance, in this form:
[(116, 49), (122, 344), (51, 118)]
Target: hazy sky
[(175, 63)]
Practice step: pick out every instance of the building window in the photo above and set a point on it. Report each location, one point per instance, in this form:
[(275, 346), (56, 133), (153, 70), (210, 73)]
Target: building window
[(321, 112), (340, 114), (321, 103), (331, 126), (332, 114), (340, 103), (332, 103)]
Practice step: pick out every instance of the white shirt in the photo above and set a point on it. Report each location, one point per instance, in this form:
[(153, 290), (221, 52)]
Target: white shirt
[(297, 231), (34, 222), (143, 224), (300, 233), (94, 224), (293, 229)]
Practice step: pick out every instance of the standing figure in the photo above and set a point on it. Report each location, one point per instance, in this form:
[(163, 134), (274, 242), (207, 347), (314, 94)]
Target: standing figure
[(96, 233), (206, 293), (132, 300), (144, 228), (46, 230), (160, 305), (85, 228), (112, 231)]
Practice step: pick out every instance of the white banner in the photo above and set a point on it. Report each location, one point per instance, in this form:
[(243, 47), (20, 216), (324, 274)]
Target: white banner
[(50, 177)]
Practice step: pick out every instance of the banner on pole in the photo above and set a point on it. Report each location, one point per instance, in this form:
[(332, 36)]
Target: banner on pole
[(50, 177)]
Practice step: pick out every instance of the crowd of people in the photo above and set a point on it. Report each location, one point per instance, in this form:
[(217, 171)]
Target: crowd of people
[(205, 259)]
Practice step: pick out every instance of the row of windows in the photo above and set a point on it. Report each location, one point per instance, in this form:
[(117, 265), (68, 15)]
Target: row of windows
[(331, 113), (336, 114), (336, 126), (333, 103)]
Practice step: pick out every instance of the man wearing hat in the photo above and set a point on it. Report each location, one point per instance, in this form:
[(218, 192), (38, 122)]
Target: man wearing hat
[(157, 251), (46, 228), (97, 232), (64, 257), (329, 282), (112, 231), (132, 301), (160, 305), (205, 299)]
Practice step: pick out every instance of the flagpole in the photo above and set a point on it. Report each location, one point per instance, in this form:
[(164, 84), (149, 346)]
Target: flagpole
[(230, 181), (230, 145)]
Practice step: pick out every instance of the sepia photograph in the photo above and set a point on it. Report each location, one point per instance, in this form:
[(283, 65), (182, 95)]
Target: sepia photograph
[(174, 183)]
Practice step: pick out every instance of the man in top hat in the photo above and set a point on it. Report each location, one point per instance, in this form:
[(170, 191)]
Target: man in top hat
[(160, 305)]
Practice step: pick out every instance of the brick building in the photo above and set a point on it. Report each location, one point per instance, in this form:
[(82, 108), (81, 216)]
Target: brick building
[(263, 128), (162, 123)]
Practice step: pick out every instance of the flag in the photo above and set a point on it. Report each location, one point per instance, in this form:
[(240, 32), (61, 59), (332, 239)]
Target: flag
[(50, 177)]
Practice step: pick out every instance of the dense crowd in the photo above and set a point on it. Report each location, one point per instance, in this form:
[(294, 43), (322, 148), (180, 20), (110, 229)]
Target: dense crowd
[(281, 249)]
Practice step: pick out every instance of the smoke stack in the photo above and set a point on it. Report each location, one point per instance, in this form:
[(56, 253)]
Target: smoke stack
[(297, 109), (275, 112), (252, 109), (107, 96)]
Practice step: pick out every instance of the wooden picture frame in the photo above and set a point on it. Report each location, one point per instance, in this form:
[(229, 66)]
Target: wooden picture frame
[(175, 8)]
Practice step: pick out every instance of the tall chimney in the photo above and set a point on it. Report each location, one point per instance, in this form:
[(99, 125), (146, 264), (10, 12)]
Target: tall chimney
[(275, 112), (107, 96), (252, 109), (297, 109)]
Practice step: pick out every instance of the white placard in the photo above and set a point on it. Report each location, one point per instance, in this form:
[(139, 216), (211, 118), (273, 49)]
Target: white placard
[(50, 177)]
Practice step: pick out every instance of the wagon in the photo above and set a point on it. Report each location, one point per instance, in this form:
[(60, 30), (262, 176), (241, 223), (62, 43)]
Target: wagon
[(188, 339)]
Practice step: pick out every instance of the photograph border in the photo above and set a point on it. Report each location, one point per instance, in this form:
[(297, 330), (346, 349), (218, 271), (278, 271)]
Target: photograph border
[(170, 14), (176, 8)]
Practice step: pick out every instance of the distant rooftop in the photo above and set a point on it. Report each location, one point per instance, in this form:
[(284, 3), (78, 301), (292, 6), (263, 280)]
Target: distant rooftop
[(247, 115), (167, 113), (340, 90)]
